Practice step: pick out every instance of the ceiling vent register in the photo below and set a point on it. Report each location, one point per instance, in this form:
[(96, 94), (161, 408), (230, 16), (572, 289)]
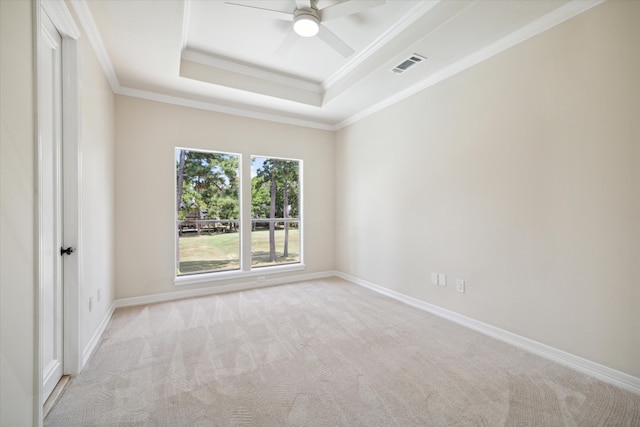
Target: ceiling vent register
[(408, 63)]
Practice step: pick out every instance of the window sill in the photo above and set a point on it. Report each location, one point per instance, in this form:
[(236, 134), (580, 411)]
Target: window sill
[(193, 279)]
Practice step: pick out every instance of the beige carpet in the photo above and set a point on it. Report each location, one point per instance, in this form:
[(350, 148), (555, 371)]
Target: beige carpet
[(321, 353)]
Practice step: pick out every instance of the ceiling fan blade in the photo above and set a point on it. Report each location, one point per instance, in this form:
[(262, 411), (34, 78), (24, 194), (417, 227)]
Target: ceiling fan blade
[(334, 41), (286, 44), (303, 3), (279, 14), (347, 8)]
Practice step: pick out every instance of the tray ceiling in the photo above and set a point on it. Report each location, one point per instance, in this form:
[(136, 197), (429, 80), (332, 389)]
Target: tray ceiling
[(228, 58)]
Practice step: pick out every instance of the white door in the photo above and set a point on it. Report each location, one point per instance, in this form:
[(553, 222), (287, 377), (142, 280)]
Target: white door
[(50, 117)]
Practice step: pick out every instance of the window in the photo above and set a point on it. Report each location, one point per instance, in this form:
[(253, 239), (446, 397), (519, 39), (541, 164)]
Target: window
[(275, 201), (210, 237), (208, 211)]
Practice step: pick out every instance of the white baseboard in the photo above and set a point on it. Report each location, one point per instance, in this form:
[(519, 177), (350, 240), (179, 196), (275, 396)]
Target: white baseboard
[(596, 370), (218, 289), (601, 372), (95, 339), (149, 299)]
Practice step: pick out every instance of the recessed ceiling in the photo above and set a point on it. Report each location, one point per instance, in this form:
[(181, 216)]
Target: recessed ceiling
[(231, 58)]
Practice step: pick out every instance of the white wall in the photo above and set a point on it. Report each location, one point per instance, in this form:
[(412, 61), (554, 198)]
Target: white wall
[(17, 216), (18, 242), (520, 176), (97, 194), (147, 134)]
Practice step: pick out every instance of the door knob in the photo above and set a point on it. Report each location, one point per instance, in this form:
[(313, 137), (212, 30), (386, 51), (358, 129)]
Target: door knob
[(67, 251)]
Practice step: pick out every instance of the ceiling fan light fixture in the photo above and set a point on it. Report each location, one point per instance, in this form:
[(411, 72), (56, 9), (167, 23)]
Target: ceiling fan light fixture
[(306, 22)]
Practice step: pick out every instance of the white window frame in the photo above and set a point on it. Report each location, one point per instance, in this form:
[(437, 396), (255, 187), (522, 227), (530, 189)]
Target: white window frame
[(245, 270)]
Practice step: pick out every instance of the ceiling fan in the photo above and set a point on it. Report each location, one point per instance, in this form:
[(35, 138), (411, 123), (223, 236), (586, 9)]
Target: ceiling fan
[(308, 21)]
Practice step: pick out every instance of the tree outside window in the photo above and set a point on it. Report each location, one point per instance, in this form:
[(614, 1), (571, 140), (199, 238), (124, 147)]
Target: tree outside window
[(275, 202), (208, 209)]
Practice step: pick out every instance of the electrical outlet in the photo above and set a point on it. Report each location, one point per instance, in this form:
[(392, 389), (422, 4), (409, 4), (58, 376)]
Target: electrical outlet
[(434, 278), (90, 303), (261, 279), (442, 279), (460, 285)]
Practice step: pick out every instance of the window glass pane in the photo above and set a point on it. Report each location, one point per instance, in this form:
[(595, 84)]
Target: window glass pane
[(208, 211), (275, 211)]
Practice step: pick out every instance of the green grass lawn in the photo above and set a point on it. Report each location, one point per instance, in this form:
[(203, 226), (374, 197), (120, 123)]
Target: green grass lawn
[(221, 251)]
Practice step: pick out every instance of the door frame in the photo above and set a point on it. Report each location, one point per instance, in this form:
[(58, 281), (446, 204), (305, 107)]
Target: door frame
[(71, 202)]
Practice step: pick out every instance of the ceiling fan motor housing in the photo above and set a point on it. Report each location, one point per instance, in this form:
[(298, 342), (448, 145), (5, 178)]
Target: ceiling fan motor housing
[(306, 22)]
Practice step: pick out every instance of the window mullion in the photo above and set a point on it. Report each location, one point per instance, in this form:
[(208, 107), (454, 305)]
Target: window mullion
[(245, 213)]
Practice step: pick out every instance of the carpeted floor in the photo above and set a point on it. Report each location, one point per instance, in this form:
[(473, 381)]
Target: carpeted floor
[(321, 353)]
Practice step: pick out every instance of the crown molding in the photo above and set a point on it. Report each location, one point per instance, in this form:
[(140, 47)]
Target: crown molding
[(550, 20), (91, 30), (407, 19), (88, 24), (536, 27), (243, 111)]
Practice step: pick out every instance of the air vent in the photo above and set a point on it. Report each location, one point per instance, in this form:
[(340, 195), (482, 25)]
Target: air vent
[(408, 63)]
